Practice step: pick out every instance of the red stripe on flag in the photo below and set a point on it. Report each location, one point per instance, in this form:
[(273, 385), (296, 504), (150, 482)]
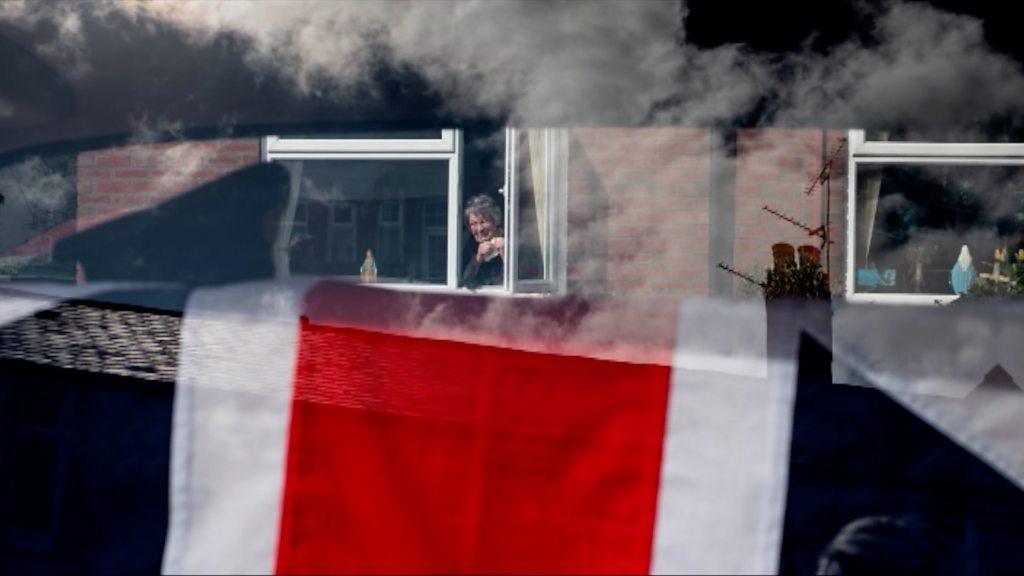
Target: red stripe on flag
[(417, 455)]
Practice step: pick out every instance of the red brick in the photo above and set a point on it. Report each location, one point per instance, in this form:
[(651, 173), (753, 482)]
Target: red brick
[(627, 189), (153, 159), (149, 186), (208, 173), (93, 173), (251, 145), (677, 133), (644, 262), (112, 186), (629, 230), (624, 247), (94, 199), (604, 134), (674, 174), (227, 159), (132, 173), (599, 149), (657, 218), (659, 202), (114, 161), (698, 148)]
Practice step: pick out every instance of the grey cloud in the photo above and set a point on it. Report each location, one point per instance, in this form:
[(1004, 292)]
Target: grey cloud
[(923, 67), (623, 63), (37, 197), (66, 47)]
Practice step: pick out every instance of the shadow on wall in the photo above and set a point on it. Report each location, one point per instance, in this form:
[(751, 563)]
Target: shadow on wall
[(587, 234), (220, 232)]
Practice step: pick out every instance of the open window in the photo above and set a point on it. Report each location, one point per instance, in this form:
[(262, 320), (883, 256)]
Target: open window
[(400, 197), (916, 209), (536, 174)]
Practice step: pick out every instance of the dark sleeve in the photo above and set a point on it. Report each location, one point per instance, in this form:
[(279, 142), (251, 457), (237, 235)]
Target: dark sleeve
[(470, 274), (489, 273)]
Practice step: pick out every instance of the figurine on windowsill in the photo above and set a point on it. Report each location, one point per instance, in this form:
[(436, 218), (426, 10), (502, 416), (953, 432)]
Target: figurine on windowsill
[(962, 275), (368, 271)]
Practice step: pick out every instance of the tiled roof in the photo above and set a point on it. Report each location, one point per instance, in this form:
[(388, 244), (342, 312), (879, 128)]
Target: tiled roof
[(97, 337)]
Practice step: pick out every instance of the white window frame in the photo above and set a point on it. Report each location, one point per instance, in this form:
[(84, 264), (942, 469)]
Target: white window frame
[(447, 147), (862, 152), (280, 147)]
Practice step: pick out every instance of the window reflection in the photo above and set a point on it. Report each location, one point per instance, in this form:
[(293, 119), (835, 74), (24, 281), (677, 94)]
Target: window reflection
[(39, 207), (397, 209), (913, 222)]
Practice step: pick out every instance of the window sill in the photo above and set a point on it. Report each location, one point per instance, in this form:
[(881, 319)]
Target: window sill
[(902, 299)]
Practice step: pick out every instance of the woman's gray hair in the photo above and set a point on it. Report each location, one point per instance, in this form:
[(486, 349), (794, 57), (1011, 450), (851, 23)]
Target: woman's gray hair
[(484, 205)]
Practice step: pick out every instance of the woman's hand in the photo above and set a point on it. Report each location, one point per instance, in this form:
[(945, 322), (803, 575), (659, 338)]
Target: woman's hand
[(488, 249)]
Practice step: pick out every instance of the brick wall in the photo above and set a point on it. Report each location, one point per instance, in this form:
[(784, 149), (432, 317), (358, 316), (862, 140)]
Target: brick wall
[(774, 168), (640, 205), (117, 181), (639, 200), (638, 210), (837, 211)]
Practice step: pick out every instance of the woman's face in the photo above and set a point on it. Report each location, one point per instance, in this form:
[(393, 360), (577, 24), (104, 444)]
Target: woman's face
[(481, 227)]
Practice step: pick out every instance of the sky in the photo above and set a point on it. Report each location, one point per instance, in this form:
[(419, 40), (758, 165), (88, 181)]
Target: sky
[(907, 66)]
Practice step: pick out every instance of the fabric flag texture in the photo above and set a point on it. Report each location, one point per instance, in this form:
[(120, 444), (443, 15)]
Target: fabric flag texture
[(321, 427), (429, 433)]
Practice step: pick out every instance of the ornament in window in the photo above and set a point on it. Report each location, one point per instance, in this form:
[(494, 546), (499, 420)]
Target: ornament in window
[(962, 275), (368, 271)]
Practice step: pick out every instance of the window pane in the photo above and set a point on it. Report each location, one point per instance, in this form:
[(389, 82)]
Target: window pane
[(38, 208), (913, 220), (532, 213), (352, 206), (343, 214)]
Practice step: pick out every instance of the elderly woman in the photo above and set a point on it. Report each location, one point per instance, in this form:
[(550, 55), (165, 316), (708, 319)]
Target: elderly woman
[(486, 267)]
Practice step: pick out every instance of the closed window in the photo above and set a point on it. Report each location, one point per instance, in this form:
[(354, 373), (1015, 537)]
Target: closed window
[(931, 220)]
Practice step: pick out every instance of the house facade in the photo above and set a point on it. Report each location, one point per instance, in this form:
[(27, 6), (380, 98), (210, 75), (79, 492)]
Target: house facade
[(649, 211), (659, 211)]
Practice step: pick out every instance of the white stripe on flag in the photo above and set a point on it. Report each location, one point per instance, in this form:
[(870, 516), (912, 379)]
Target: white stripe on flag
[(230, 430), (722, 495), (933, 360)]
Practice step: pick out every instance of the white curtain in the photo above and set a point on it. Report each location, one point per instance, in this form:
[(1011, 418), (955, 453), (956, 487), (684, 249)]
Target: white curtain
[(282, 263), (538, 173), (867, 207)]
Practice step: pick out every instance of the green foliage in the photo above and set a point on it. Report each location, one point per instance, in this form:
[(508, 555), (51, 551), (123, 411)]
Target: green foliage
[(806, 281), (984, 288)]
